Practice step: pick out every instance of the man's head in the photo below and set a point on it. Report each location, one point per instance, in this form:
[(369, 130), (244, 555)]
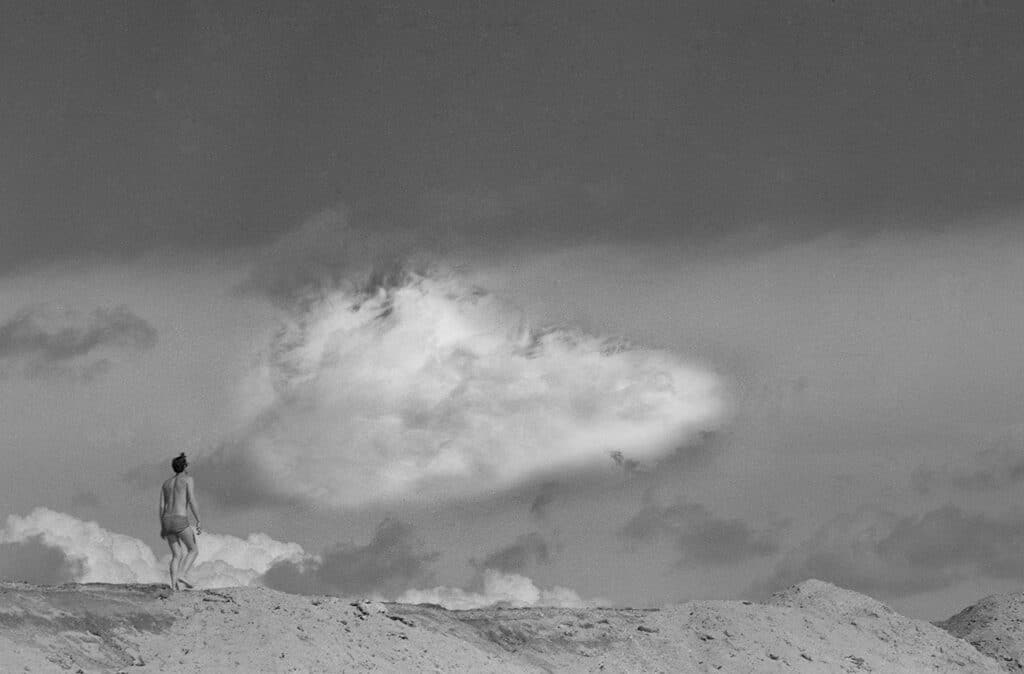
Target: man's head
[(179, 463)]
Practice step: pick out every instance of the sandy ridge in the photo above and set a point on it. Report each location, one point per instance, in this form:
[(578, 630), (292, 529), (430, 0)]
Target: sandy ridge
[(812, 627)]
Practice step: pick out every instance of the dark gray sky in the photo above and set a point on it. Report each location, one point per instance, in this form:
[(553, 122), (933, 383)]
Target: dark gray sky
[(817, 202), (131, 125)]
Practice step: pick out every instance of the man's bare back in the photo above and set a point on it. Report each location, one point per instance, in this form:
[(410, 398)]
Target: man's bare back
[(176, 494), (177, 497)]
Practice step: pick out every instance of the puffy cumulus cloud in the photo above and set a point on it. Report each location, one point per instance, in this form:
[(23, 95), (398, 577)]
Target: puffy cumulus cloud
[(426, 388), (499, 589), (228, 561), (102, 556), (389, 563), (700, 537), (85, 552), (54, 341), (877, 551)]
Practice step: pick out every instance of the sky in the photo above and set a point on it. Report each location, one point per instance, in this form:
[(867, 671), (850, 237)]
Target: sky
[(554, 303)]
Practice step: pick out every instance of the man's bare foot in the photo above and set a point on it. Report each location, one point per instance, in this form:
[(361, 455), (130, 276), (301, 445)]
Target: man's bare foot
[(187, 585)]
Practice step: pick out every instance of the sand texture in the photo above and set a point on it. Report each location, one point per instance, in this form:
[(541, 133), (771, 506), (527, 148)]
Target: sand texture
[(811, 627), (995, 626)]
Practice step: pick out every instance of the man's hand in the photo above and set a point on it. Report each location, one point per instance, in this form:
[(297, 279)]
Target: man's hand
[(199, 529)]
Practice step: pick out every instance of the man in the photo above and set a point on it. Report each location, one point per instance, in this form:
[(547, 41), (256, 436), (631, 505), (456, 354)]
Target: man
[(177, 496)]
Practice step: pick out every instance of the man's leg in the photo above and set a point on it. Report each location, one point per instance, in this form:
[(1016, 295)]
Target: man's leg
[(189, 539), (180, 549), (182, 583), (172, 541)]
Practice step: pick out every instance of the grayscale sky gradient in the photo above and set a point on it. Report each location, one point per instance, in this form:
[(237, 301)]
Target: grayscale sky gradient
[(818, 202)]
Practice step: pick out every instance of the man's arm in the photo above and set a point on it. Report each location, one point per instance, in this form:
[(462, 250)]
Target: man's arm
[(190, 498), (160, 513)]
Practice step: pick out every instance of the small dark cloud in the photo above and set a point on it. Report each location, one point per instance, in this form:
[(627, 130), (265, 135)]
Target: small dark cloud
[(685, 462), (949, 540), (389, 564), (81, 373), (50, 342), (688, 459), (878, 552), (845, 552), (542, 501), (526, 550), (700, 537), (1000, 465), (630, 466), (32, 561), (26, 333), (84, 499), (924, 479)]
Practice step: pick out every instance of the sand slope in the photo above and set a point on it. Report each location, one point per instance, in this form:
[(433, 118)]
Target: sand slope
[(995, 625), (812, 627)]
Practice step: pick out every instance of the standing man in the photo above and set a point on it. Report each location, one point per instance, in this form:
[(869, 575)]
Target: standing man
[(177, 496)]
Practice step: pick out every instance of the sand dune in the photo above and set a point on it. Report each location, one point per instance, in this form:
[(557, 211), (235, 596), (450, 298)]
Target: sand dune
[(811, 627), (995, 626)]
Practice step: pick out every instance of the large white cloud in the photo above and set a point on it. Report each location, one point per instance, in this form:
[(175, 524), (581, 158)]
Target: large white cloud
[(506, 589), (102, 556), (429, 388)]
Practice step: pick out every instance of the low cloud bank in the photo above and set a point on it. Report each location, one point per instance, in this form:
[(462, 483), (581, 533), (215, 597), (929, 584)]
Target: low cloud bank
[(698, 535), (391, 562), (425, 388), (499, 589), (394, 562), (49, 547), (880, 553), (85, 552)]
